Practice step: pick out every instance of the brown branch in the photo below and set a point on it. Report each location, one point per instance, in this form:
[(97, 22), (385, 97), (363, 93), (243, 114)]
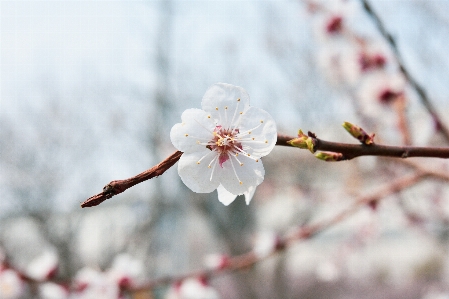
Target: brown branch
[(349, 151), (419, 89), (249, 259), (118, 186)]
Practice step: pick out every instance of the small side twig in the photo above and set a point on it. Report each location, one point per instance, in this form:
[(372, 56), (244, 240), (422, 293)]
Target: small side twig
[(419, 89)]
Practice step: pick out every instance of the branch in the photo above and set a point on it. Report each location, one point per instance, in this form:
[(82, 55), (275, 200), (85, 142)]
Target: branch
[(419, 89), (347, 151), (249, 259), (118, 186)]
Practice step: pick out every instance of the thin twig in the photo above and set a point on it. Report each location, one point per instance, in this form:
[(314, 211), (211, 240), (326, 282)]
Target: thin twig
[(118, 186), (249, 259), (419, 89)]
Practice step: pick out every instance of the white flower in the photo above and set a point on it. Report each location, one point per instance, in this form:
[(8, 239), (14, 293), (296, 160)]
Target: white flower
[(192, 288), (43, 267), (11, 286), (126, 270), (223, 144), (50, 290)]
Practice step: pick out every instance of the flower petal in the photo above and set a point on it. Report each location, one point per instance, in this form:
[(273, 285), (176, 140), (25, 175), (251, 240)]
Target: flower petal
[(249, 194), (262, 139), (224, 102), (198, 176), (224, 196), (196, 127), (251, 174)]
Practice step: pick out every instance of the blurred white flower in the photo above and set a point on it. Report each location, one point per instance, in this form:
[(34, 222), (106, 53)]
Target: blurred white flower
[(379, 90), (50, 290), (216, 261), (327, 271), (265, 243), (11, 285), (361, 61), (43, 267), (92, 284), (223, 144), (126, 270), (192, 288)]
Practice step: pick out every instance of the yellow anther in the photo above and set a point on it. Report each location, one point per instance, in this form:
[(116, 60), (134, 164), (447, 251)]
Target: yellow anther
[(208, 166), (266, 141), (186, 135), (261, 121), (208, 116), (249, 132), (241, 112), (253, 138), (257, 160), (249, 155), (241, 164), (236, 154), (238, 100), (198, 162), (216, 108), (241, 183), (226, 107)]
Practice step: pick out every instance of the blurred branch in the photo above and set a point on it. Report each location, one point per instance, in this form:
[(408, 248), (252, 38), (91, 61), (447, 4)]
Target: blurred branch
[(347, 151), (249, 259), (419, 89)]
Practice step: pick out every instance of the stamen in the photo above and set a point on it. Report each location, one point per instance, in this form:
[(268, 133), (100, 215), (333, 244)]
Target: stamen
[(215, 161), (235, 157), (241, 134), (235, 172), (245, 153), (235, 113), (199, 161), (186, 135), (261, 121)]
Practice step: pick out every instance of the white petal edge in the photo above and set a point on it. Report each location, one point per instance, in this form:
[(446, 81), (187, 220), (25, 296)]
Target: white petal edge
[(249, 194), (197, 176), (224, 196), (225, 102), (196, 126)]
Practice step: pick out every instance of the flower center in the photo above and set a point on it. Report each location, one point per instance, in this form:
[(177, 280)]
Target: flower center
[(224, 142)]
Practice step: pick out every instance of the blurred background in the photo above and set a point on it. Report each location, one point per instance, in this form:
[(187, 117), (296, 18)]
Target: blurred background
[(91, 89)]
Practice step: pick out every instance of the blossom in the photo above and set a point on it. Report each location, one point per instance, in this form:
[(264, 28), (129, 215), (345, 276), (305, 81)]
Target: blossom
[(126, 270), (43, 267), (51, 290), (222, 144), (11, 285), (192, 288)]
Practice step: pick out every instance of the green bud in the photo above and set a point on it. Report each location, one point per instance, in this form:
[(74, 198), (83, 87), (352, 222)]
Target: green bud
[(329, 156), (358, 133), (302, 141)]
